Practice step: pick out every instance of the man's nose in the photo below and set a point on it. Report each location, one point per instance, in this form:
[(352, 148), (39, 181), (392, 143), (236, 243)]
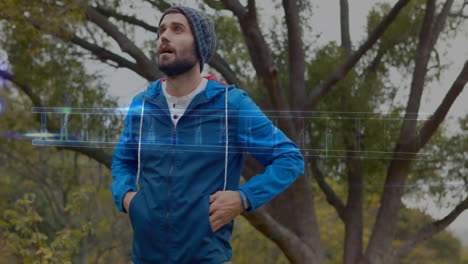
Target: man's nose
[(164, 37)]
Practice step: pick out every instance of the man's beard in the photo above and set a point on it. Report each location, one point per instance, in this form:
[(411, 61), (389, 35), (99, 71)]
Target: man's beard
[(178, 66)]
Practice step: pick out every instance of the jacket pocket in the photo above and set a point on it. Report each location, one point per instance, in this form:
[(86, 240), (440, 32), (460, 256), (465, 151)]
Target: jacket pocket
[(148, 234), (206, 207), (191, 231), (133, 206)]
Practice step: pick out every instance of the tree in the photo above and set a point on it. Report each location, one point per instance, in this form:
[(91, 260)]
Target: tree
[(340, 78), (72, 213), (29, 245)]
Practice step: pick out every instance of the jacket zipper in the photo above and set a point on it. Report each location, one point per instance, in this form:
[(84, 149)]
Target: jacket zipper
[(169, 181)]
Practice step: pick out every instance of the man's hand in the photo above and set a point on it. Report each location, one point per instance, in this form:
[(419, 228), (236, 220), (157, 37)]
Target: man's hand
[(127, 199), (224, 206)]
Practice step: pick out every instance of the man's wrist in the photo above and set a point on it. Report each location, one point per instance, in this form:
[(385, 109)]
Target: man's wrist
[(126, 200), (244, 200)]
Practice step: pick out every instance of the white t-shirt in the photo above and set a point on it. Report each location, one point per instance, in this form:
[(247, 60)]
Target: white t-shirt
[(178, 105)]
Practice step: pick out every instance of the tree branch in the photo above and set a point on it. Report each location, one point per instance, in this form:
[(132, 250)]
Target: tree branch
[(96, 154), (353, 243), (215, 4), (159, 4), (104, 54), (459, 13), (35, 99), (293, 247), (431, 229), (321, 89), (372, 68), (236, 8), (251, 8), (296, 55), (126, 45), (332, 198), (417, 84), (286, 209), (433, 123), (221, 66), (262, 61), (387, 216), (129, 19), (100, 52), (440, 22), (344, 21)]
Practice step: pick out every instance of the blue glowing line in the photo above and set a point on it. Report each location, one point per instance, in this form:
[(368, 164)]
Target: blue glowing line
[(41, 135), (205, 148), (29, 136), (105, 140), (245, 113), (70, 110)]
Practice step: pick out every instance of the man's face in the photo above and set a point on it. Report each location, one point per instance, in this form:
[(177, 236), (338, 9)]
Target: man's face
[(176, 45)]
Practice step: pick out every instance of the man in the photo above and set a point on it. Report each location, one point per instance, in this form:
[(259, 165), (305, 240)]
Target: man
[(184, 143)]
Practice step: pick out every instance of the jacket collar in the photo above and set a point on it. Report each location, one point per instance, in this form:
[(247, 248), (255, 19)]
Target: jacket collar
[(155, 94)]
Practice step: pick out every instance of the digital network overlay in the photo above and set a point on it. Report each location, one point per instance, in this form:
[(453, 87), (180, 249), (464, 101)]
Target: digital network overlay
[(98, 128)]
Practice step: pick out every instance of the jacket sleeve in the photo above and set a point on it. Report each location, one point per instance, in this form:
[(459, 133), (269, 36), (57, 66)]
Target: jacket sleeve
[(124, 163), (281, 158)]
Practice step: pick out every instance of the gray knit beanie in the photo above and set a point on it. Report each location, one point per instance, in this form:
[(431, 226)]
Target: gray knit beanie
[(203, 31)]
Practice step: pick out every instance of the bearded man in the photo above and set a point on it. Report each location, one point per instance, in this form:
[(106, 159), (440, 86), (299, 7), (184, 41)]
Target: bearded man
[(184, 143)]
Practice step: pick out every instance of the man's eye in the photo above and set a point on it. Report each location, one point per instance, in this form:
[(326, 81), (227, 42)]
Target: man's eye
[(178, 29)]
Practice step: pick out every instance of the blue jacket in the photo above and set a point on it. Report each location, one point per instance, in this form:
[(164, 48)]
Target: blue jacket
[(178, 168)]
